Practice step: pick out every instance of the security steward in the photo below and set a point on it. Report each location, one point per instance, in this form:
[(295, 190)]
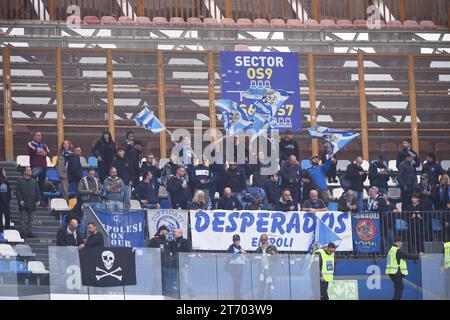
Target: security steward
[(326, 267), (447, 268), (396, 266)]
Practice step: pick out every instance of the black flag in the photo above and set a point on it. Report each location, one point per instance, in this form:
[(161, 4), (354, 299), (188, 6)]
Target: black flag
[(107, 267)]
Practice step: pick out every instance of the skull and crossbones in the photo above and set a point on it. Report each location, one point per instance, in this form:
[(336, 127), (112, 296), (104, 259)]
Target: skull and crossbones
[(108, 260)]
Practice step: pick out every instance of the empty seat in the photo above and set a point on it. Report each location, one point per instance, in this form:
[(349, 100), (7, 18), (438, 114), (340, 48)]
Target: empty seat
[(24, 250), (360, 24), (93, 162), (392, 165), (261, 23), (49, 162), (18, 266), (244, 23), (436, 225), (401, 224), (83, 161), (445, 164), (295, 23), (279, 23), (305, 164), (411, 24), (334, 184), (72, 203), (12, 236), (52, 175), (108, 20), (394, 24), (394, 193), (426, 24), (23, 161), (241, 47), (126, 20), (365, 194), (54, 161), (160, 21), (344, 24), (374, 147), (143, 21), (328, 23), (59, 204), (37, 267), (337, 193), (162, 192), (211, 22), (228, 22), (135, 204), (365, 165), (333, 206), (194, 22), (442, 146), (91, 20), (311, 23), (391, 182), (389, 147), (342, 165), (7, 250), (177, 21)]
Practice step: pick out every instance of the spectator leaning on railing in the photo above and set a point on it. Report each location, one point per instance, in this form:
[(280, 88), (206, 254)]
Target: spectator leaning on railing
[(314, 204), (286, 203), (228, 201), (113, 188)]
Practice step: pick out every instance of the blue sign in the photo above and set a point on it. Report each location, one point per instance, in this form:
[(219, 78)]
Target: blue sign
[(244, 72), (366, 232), (125, 229)]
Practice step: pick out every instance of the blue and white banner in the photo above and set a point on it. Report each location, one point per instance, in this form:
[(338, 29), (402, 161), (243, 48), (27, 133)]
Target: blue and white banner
[(288, 231), (235, 119), (266, 82), (171, 218), (125, 228), (366, 232), (338, 139), (147, 120)]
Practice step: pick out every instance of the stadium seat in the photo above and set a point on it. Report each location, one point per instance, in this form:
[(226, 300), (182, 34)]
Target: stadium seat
[(194, 22), (91, 20), (344, 24), (70, 191), (425, 146), (295, 23), (442, 147), (165, 204), (445, 164), (389, 147), (177, 21), (436, 225), (24, 250), (211, 22), (135, 204), (241, 47), (23, 161), (411, 24), (261, 23), (342, 165), (392, 165), (360, 24), (123, 20), (394, 193), (337, 193), (391, 182), (163, 162), (161, 21), (244, 23), (7, 250), (162, 192), (228, 22), (52, 175), (365, 194), (108, 20), (374, 147), (37, 267), (334, 184), (59, 204), (49, 162), (328, 23), (12, 236), (365, 165), (333, 206), (394, 24), (84, 163), (305, 164), (54, 161), (18, 266), (399, 206), (72, 203), (311, 23), (425, 24), (401, 225), (93, 162), (279, 23), (143, 21), (4, 266)]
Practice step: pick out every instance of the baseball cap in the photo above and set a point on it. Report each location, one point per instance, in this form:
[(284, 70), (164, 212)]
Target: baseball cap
[(236, 237)]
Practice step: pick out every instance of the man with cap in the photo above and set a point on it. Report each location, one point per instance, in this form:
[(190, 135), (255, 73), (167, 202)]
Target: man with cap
[(432, 169), (288, 147), (236, 264), (406, 179), (318, 175), (396, 266), (326, 267)]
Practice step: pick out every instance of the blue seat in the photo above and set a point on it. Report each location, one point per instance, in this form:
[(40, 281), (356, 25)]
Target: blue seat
[(4, 266), (436, 225), (305, 164), (93, 162), (85, 173), (333, 206), (18, 266), (52, 175), (70, 191), (56, 194), (401, 224), (165, 204)]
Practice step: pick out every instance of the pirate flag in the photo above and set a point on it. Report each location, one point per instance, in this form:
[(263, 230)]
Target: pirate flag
[(107, 267)]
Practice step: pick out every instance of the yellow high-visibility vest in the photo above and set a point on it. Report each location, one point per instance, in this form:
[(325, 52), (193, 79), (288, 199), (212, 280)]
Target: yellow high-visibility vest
[(327, 265), (392, 265), (447, 255)]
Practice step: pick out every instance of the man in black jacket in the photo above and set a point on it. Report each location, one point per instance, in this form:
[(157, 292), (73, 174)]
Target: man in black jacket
[(228, 202), (178, 189), (95, 238), (133, 149), (291, 177), (179, 244), (273, 192), (288, 147), (154, 167), (286, 203), (235, 180), (432, 169), (145, 192), (69, 236), (125, 171), (379, 174), (404, 152), (74, 169), (406, 179), (357, 176)]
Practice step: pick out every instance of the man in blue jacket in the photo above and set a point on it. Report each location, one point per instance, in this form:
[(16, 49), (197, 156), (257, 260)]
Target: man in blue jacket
[(318, 175)]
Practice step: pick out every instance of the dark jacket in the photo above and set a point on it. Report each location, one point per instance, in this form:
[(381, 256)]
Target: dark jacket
[(197, 206), (235, 180), (290, 175), (344, 207), (74, 169), (132, 154), (157, 241), (231, 248), (308, 204), (5, 195), (411, 208), (64, 239), (285, 206), (288, 148), (95, 240), (169, 170), (258, 179), (178, 195), (106, 150), (200, 172), (377, 205), (425, 200), (229, 204), (27, 190), (433, 170), (406, 176), (179, 244), (402, 155), (357, 180), (376, 179), (145, 191), (86, 185), (156, 173), (124, 168), (273, 191)]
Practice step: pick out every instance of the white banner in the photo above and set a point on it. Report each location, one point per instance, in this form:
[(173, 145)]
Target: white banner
[(288, 231), (172, 219)]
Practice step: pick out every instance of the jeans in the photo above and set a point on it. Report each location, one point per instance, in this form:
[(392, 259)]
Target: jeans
[(359, 198), (26, 218), (40, 174), (114, 205), (127, 197)]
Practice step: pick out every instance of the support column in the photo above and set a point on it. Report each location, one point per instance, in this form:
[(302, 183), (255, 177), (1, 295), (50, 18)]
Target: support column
[(363, 108), (110, 90), (59, 97), (403, 10), (413, 103), (228, 9), (312, 100), (7, 105), (161, 104), (315, 10), (52, 11), (212, 95), (140, 8)]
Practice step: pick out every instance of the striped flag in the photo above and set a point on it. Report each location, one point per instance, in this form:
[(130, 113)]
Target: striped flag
[(338, 139), (146, 119)]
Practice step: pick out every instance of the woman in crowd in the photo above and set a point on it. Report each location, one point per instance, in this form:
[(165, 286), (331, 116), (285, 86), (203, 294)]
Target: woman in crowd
[(198, 202), (104, 150), (442, 201), (64, 154), (5, 199)]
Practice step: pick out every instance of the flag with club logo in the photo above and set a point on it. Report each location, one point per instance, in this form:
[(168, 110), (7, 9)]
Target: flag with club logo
[(147, 120), (338, 139), (235, 119), (107, 267)]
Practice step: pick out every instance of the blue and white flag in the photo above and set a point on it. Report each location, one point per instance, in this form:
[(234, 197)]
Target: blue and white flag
[(338, 139), (149, 121), (267, 102), (235, 119)]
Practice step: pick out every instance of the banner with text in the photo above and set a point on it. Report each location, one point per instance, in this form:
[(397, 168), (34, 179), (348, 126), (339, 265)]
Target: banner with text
[(242, 71), (172, 219), (366, 232), (288, 231)]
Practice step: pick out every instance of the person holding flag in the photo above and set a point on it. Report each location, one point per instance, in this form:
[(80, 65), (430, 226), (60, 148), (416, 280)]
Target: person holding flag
[(326, 267), (318, 175)]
